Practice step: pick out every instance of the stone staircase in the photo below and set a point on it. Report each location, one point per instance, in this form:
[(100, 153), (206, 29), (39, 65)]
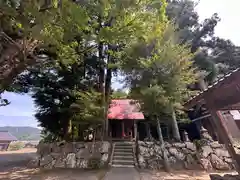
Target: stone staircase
[(123, 154)]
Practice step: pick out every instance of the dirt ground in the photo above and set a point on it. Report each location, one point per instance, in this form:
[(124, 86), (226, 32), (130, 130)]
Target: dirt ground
[(74, 174), (180, 175), (20, 158), (57, 174), (21, 151)]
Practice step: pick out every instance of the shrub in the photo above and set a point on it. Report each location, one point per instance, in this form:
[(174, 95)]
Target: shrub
[(94, 163), (14, 146)]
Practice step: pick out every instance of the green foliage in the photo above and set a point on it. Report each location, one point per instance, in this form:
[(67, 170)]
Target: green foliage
[(87, 108), (199, 144), (48, 137), (81, 41), (213, 55), (94, 162), (162, 75)]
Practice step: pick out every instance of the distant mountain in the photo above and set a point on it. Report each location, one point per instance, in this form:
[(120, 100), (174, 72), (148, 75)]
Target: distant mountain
[(23, 133)]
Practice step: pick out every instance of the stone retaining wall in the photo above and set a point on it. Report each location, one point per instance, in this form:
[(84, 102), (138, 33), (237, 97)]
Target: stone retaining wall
[(212, 156), (85, 155)]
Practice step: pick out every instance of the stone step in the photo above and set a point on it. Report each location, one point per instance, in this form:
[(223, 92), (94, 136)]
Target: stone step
[(124, 144), (124, 166), (123, 162), (123, 147), (122, 153), (123, 158), (122, 150)]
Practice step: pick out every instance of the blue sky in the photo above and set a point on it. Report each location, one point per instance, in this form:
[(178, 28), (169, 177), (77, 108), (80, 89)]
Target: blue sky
[(21, 110)]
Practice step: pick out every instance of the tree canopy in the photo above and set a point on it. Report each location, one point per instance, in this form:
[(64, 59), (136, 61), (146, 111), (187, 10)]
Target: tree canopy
[(65, 54)]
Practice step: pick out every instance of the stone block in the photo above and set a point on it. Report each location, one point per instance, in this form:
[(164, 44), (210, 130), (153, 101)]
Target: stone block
[(79, 145), (179, 145), (82, 163), (218, 163), (50, 165), (105, 147), (43, 149), (60, 163), (142, 162), (56, 155), (191, 146), (220, 152), (215, 144), (228, 160), (206, 164), (190, 163), (80, 153), (177, 154), (104, 159), (206, 151), (71, 160), (186, 151), (46, 160)]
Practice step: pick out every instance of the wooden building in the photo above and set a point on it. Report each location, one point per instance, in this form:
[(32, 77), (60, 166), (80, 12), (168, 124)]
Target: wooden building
[(5, 139), (123, 116), (218, 99), (126, 122)]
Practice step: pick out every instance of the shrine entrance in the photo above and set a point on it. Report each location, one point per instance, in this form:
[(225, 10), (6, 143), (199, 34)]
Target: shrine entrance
[(121, 129), (123, 115)]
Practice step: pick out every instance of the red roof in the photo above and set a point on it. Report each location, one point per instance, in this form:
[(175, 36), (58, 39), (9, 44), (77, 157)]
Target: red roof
[(124, 109), (6, 136)]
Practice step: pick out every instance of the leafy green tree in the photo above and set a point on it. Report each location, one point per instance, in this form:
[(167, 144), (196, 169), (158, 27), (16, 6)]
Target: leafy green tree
[(198, 35), (30, 31), (105, 32), (55, 89), (159, 77), (113, 27)]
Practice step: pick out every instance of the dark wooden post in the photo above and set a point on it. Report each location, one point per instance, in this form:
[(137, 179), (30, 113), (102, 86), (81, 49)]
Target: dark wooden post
[(148, 130), (135, 130), (123, 130)]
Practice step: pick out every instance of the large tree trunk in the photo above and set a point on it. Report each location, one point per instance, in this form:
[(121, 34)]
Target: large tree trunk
[(176, 134), (107, 95), (67, 130), (164, 153)]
